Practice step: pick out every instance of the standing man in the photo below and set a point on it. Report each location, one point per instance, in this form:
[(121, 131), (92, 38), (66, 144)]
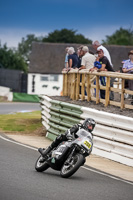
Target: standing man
[(97, 46), (88, 59), (128, 68), (103, 64), (80, 55), (72, 58), (66, 58)]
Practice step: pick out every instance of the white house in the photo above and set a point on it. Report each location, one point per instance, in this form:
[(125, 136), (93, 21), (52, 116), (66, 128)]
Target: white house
[(45, 67), (48, 84)]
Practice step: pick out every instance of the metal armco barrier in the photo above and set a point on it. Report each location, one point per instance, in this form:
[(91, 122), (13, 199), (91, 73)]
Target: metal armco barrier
[(113, 134), (109, 119)]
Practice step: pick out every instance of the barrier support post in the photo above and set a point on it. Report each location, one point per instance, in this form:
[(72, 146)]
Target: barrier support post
[(73, 87), (77, 86), (107, 91), (122, 93), (69, 84), (65, 84), (97, 90), (83, 87), (88, 88)]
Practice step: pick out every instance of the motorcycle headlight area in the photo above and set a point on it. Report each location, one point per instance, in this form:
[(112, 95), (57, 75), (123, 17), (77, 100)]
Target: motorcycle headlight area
[(87, 145)]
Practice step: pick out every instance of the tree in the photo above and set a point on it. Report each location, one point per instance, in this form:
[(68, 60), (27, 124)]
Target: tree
[(120, 37), (24, 47), (10, 59), (66, 36)]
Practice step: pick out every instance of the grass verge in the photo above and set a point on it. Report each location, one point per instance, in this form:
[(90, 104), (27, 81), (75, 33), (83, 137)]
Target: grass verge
[(22, 123)]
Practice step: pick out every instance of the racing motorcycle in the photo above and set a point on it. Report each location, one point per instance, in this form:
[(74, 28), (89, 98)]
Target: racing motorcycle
[(68, 156)]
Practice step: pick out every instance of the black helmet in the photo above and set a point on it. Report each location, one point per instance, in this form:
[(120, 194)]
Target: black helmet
[(89, 124)]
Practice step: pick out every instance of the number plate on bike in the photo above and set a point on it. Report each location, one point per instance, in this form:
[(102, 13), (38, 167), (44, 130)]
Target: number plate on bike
[(87, 144)]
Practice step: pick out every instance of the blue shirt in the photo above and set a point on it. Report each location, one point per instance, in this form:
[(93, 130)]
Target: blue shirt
[(128, 65), (74, 58), (66, 58)]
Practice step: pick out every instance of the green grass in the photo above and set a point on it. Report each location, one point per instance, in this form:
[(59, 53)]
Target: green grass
[(25, 123)]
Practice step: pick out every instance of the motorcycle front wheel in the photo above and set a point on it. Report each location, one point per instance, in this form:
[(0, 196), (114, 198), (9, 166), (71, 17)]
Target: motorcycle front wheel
[(72, 165), (40, 167)]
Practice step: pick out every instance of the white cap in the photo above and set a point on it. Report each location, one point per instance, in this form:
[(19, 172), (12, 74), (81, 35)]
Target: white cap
[(85, 48), (71, 50)]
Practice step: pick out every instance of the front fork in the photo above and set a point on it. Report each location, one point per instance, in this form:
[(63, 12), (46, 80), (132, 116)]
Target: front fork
[(71, 154)]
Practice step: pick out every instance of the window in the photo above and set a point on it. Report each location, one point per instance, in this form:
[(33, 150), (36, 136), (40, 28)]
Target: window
[(44, 78), (53, 78), (50, 77)]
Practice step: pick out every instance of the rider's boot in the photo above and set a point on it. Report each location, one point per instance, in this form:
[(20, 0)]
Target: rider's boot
[(54, 144), (44, 152)]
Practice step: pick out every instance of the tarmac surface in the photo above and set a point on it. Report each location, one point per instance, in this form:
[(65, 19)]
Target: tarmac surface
[(96, 162)]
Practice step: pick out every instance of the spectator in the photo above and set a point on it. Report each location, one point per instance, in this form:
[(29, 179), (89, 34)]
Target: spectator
[(128, 68), (80, 55), (103, 64), (126, 81), (66, 58), (87, 62), (87, 59), (72, 58), (97, 46)]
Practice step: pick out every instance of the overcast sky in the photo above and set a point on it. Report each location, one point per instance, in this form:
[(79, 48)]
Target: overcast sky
[(93, 18)]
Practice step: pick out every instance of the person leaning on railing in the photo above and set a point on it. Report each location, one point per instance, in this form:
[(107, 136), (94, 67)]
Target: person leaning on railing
[(87, 61), (97, 46), (87, 58), (72, 58), (66, 58), (128, 68), (103, 64)]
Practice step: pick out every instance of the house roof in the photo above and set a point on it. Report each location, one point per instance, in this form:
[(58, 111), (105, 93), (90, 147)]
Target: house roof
[(49, 58)]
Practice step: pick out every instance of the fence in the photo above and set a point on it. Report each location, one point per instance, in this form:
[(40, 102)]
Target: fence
[(16, 80), (81, 85), (113, 135)]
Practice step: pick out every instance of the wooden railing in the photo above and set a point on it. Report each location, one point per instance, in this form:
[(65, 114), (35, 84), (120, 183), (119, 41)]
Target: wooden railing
[(80, 85)]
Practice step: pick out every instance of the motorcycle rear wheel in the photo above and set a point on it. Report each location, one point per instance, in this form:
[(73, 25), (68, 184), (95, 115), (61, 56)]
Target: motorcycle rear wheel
[(69, 168), (40, 167)]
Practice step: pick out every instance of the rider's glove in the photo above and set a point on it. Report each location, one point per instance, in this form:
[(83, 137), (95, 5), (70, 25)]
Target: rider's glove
[(74, 129)]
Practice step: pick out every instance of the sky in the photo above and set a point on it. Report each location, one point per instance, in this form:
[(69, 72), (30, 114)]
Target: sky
[(93, 18)]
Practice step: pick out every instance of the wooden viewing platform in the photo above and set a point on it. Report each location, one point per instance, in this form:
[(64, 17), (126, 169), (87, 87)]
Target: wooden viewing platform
[(80, 85)]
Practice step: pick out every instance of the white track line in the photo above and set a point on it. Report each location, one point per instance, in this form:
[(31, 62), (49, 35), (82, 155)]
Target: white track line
[(110, 176), (89, 169), (8, 140)]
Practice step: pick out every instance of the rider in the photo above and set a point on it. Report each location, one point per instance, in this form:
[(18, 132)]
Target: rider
[(88, 125)]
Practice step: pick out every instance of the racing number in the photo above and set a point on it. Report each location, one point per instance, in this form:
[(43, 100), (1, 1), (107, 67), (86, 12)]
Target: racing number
[(87, 144)]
